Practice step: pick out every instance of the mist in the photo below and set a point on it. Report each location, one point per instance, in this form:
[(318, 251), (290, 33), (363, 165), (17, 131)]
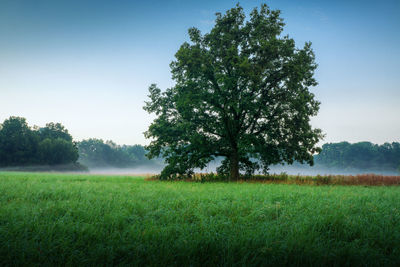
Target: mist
[(320, 170), (154, 169), (305, 169), (139, 170)]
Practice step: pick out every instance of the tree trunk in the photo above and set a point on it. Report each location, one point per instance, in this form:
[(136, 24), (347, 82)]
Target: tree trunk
[(234, 166)]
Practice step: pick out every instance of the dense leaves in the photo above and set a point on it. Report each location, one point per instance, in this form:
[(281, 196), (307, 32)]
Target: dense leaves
[(21, 145), (362, 155), (54, 151), (96, 153), (242, 93)]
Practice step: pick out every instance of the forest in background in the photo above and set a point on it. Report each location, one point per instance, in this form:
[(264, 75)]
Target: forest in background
[(53, 148), (52, 145), (22, 145), (361, 155), (96, 153)]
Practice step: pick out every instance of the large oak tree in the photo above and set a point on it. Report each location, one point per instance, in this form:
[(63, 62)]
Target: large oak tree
[(242, 93)]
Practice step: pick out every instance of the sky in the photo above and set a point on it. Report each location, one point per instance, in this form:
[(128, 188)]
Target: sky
[(88, 64)]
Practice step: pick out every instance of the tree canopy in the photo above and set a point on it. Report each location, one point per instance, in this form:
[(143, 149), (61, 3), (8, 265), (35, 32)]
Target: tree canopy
[(241, 92), (96, 153), (360, 156), (21, 145)]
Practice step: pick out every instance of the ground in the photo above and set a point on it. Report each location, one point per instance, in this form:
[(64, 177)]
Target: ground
[(66, 219)]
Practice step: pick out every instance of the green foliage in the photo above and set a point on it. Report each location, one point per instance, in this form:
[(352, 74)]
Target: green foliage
[(18, 143), (84, 220), (57, 151), (21, 145), (361, 155), (55, 131), (97, 153), (242, 93)]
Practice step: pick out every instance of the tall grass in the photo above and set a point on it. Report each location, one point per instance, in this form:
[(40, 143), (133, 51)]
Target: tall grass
[(50, 219), (283, 178)]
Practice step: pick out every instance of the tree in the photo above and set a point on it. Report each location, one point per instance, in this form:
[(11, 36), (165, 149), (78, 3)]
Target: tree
[(360, 156), (242, 93), (18, 143), (97, 153), (21, 145), (94, 152), (54, 131), (55, 151)]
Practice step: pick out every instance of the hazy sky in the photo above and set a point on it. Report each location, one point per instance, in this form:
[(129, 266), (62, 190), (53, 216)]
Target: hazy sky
[(88, 64)]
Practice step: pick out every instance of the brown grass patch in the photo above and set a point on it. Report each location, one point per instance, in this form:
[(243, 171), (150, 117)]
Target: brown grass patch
[(361, 179)]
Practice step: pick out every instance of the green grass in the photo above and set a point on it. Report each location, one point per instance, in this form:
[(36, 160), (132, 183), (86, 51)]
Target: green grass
[(283, 178), (54, 219)]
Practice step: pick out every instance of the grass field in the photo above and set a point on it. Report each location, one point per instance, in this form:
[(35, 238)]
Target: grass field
[(54, 219)]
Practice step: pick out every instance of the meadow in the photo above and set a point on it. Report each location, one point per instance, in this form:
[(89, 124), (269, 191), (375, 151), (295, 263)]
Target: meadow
[(70, 219)]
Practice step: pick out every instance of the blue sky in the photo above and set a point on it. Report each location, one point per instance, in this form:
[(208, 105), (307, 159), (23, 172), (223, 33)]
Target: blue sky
[(88, 64)]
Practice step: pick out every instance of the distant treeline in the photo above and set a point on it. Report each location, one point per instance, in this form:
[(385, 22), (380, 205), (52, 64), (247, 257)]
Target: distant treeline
[(52, 145), (95, 153), (361, 156), (21, 145), (33, 148)]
